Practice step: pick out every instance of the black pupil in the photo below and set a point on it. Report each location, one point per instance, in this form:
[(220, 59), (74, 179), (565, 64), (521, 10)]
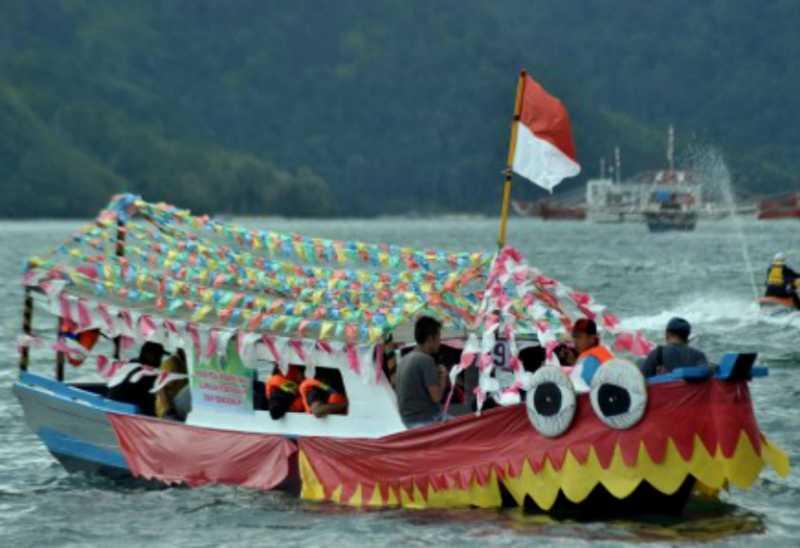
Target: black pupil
[(547, 399), (613, 400)]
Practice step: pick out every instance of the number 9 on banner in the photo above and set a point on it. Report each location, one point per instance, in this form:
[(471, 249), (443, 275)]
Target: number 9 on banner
[(500, 355)]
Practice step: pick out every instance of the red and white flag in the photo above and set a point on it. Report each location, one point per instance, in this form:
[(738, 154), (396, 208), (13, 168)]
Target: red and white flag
[(544, 152)]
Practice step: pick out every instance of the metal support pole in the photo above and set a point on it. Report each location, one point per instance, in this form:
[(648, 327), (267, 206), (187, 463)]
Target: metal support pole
[(120, 253), (27, 321), (59, 355)]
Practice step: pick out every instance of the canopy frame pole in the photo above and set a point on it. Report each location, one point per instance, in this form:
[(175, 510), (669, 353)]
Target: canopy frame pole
[(27, 329), (120, 252), (59, 354), (501, 237)]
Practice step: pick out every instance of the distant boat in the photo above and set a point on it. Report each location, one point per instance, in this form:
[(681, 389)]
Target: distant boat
[(675, 196), (612, 202), (785, 206), (673, 201), (549, 210)]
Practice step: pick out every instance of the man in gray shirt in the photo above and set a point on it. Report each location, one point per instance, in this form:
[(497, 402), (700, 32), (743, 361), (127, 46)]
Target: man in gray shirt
[(420, 382), (676, 353)]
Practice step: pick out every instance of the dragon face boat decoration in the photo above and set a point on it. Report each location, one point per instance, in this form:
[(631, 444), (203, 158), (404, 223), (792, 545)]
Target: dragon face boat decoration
[(241, 301)]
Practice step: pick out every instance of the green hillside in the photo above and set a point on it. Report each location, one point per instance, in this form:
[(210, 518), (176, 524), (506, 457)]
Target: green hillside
[(361, 108)]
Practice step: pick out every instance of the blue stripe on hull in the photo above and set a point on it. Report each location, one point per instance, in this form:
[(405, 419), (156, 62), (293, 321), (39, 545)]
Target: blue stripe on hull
[(61, 444), (68, 392)]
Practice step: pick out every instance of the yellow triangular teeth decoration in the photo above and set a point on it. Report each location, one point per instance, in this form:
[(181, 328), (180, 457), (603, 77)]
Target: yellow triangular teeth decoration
[(576, 480), (775, 457)]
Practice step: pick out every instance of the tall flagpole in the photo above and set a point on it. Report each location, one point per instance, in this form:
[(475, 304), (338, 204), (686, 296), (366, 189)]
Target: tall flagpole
[(501, 238)]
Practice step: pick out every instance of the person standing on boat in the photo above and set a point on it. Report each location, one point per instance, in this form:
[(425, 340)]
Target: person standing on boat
[(782, 281), (591, 354), (676, 353), (420, 382)]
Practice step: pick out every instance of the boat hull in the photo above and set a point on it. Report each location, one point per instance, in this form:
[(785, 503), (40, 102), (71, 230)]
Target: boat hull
[(778, 214), (777, 306), (76, 427), (549, 211), (92, 434), (645, 500), (672, 221), (73, 425), (786, 206)]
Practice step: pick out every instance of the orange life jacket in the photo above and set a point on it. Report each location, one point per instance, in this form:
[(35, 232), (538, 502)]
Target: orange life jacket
[(279, 382), (600, 352), (309, 384), (87, 339)]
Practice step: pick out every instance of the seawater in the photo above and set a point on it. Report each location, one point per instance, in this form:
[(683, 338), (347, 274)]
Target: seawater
[(645, 278)]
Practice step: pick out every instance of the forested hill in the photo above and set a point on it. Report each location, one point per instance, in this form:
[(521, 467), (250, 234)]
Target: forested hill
[(354, 107)]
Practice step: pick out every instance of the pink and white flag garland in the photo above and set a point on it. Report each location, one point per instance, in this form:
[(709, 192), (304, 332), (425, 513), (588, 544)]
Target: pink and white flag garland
[(497, 318)]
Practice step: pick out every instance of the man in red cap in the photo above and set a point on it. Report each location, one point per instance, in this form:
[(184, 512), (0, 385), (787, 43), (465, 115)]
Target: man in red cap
[(591, 354)]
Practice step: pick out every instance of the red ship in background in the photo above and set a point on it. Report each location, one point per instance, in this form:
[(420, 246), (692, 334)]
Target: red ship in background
[(549, 210), (784, 206)]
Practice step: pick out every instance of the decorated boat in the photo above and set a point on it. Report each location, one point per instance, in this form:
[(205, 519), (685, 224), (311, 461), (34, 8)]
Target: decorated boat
[(238, 306), (240, 302)]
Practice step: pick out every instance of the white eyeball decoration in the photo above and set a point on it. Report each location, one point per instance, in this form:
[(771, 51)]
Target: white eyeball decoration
[(619, 394), (550, 402)]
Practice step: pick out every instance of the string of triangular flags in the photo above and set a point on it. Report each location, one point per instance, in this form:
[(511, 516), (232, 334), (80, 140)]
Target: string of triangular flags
[(515, 291)]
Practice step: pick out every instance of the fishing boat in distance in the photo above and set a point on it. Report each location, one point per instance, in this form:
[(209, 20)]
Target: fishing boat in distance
[(549, 210), (241, 303), (674, 197), (666, 200), (673, 201), (786, 206)]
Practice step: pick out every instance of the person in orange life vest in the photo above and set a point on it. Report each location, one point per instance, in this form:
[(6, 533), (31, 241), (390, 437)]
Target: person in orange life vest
[(283, 392), (69, 331), (591, 354), (320, 398)]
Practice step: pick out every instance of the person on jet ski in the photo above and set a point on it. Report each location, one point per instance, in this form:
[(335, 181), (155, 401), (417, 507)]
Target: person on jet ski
[(782, 281)]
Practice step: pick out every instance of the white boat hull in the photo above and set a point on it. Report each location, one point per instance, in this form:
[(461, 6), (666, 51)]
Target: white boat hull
[(73, 427)]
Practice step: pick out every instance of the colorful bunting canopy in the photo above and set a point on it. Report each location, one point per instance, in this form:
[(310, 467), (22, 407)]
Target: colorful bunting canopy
[(147, 271)]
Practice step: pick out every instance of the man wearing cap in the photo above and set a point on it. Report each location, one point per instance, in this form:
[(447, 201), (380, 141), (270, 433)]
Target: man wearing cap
[(676, 353), (591, 354), (782, 281)]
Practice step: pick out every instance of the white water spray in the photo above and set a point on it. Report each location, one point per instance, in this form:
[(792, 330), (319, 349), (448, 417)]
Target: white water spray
[(709, 163)]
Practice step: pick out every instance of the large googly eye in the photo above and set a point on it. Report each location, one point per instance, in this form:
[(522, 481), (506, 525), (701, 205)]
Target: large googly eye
[(619, 394), (550, 401)]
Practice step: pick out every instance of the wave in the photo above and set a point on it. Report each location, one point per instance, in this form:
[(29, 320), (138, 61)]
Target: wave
[(723, 311)]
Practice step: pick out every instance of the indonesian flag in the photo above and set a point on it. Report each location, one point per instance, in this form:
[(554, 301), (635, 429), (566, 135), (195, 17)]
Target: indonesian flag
[(544, 151)]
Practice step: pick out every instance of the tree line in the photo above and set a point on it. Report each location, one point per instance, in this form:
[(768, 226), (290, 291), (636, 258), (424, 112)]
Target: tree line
[(364, 108)]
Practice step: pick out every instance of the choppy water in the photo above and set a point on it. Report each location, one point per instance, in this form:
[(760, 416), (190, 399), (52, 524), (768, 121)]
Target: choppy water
[(644, 278)]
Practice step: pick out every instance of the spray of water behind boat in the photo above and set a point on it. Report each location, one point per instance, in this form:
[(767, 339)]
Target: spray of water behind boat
[(709, 163)]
